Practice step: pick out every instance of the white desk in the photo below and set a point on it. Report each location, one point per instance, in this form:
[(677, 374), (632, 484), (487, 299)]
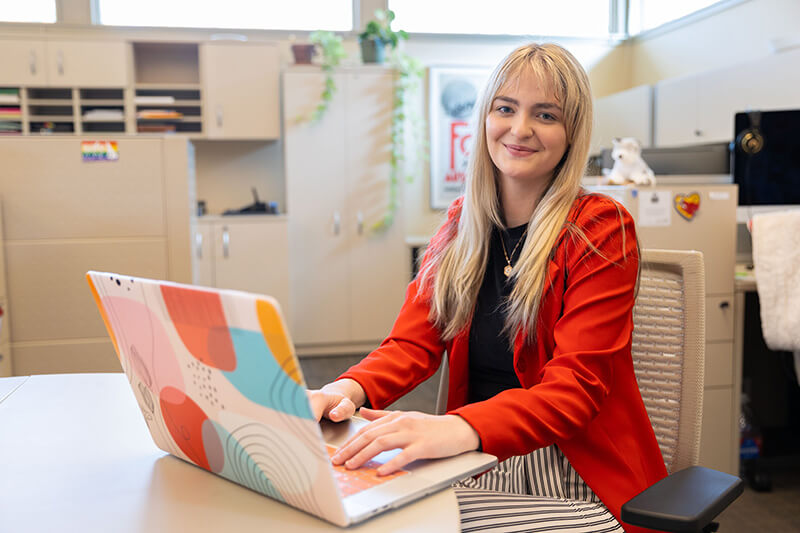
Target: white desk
[(75, 455)]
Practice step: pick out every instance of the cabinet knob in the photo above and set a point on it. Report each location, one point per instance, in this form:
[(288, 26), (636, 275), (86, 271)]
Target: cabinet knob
[(698, 133), (219, 116), (337, 223), (226, 242), (198, 241), (724, 305), (360, 222)]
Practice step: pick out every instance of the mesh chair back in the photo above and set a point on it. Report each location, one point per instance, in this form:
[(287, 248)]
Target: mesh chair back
[(669, 350)]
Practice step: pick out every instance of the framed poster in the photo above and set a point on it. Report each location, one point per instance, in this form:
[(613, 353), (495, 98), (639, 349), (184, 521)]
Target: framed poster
[(454, 92)]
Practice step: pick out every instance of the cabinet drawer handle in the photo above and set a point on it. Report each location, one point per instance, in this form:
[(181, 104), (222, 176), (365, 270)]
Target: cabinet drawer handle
[(337, 223), (60, 62), (226, 242), (360, 221), (32, 63), (198, 240), (724, 305), (219, 116)]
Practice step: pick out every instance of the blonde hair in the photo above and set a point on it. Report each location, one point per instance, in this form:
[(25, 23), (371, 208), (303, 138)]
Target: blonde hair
[(456, 269)]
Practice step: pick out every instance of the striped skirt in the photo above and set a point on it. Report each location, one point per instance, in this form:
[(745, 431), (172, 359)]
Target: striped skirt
[(535, 492)]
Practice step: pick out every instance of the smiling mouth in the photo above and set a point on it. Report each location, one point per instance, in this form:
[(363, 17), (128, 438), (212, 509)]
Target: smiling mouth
[(519, 150)]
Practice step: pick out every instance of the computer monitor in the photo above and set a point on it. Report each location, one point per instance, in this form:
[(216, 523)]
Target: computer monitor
[(766, 158)]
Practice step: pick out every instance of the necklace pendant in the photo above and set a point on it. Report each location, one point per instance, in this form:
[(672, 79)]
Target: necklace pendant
[(507, 270)]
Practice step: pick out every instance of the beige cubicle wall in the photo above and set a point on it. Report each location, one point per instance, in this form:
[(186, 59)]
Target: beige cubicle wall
[(130, 215)]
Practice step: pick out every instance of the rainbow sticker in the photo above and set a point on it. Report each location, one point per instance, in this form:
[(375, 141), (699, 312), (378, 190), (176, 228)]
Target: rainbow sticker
[(99, 151)]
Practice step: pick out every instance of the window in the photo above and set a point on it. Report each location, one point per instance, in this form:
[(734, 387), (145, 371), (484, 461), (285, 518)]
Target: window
[(565, 18), (333, 15), (645, 15), (28, 11)]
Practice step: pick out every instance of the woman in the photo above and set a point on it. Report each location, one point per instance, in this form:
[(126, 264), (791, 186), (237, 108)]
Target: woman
[(529, 287)]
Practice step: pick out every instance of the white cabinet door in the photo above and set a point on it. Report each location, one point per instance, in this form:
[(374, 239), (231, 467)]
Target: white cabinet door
[(315, 197), (720, 95), (252, 256), (87, 64), (203, 251), (624, 114), (379, 264), (774, 81), (22, 63), (676, 112), (241, 90)]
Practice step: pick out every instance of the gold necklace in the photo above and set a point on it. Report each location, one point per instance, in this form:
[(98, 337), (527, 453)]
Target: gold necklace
[(508, 268)]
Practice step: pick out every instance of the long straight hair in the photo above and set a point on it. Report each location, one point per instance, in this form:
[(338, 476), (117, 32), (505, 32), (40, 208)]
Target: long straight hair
[(455, 270)]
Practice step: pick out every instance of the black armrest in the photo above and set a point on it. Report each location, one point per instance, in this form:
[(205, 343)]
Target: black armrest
[(684, 501)]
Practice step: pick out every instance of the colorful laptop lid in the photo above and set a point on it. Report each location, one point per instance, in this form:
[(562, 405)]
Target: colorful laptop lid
[(218, 383)]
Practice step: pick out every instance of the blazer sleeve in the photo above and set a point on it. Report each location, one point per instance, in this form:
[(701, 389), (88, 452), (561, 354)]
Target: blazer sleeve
[(413, 350), (594, 329)]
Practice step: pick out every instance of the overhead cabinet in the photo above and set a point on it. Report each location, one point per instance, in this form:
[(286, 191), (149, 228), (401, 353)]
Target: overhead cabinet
[(63, 63), (241, 90), (22, 63), (347, 280), (701, 108)]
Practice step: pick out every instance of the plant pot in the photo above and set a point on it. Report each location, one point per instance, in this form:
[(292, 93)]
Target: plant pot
[(372, 51), (303, 53)]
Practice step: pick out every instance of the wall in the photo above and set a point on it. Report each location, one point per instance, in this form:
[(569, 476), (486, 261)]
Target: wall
[(740, 33)]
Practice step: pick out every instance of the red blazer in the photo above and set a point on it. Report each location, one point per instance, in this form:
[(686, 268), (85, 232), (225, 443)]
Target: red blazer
[(578, 386)]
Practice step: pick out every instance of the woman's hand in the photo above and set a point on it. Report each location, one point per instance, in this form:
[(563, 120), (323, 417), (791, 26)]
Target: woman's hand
[(421, 436), (336, 401)]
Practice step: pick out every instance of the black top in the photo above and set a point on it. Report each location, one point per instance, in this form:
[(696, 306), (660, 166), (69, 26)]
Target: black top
[(491, 359)]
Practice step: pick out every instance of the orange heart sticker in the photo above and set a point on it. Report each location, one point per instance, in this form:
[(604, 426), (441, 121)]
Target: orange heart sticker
[(687, 205)]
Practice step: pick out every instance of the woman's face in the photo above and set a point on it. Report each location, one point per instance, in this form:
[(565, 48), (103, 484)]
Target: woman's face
[(525, 131)]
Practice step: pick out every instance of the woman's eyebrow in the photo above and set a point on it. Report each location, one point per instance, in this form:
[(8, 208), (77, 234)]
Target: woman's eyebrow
[(540, 105)]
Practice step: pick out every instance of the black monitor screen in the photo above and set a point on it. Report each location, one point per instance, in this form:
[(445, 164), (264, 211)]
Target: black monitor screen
[(766, 157)]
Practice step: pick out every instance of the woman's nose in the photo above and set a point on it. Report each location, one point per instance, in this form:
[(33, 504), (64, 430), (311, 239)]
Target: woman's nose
[(521, 127)]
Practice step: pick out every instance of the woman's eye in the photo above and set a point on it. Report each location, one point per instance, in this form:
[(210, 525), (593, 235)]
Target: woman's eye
[(504, 109), (548, 116)]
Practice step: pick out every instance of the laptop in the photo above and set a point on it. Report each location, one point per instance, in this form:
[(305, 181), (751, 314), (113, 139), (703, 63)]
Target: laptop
[(218, 382)]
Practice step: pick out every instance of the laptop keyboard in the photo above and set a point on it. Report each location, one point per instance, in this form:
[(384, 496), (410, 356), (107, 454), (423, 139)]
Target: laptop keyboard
[(354, 481)]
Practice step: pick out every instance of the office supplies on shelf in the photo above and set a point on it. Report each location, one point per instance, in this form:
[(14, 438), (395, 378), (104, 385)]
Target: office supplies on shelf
[(154, 100), (159, 114), (257, 207)]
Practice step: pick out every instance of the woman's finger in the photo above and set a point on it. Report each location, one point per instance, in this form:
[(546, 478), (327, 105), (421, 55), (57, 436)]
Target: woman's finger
[(380, 444), (360, 440), (408, 455), (372, 414), (342, 410)]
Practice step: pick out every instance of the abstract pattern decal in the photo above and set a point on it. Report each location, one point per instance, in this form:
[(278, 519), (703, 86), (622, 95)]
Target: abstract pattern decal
[(216, 379), (199, 320), (272, 328)]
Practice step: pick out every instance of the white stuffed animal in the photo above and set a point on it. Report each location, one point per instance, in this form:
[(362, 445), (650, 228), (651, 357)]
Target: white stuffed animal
[(629, 167)]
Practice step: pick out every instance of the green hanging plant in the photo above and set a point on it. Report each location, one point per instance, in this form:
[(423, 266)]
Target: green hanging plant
[(333, 52), (410, 72)]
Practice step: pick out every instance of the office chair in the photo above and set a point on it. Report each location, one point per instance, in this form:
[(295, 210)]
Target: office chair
[(669, 358)]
